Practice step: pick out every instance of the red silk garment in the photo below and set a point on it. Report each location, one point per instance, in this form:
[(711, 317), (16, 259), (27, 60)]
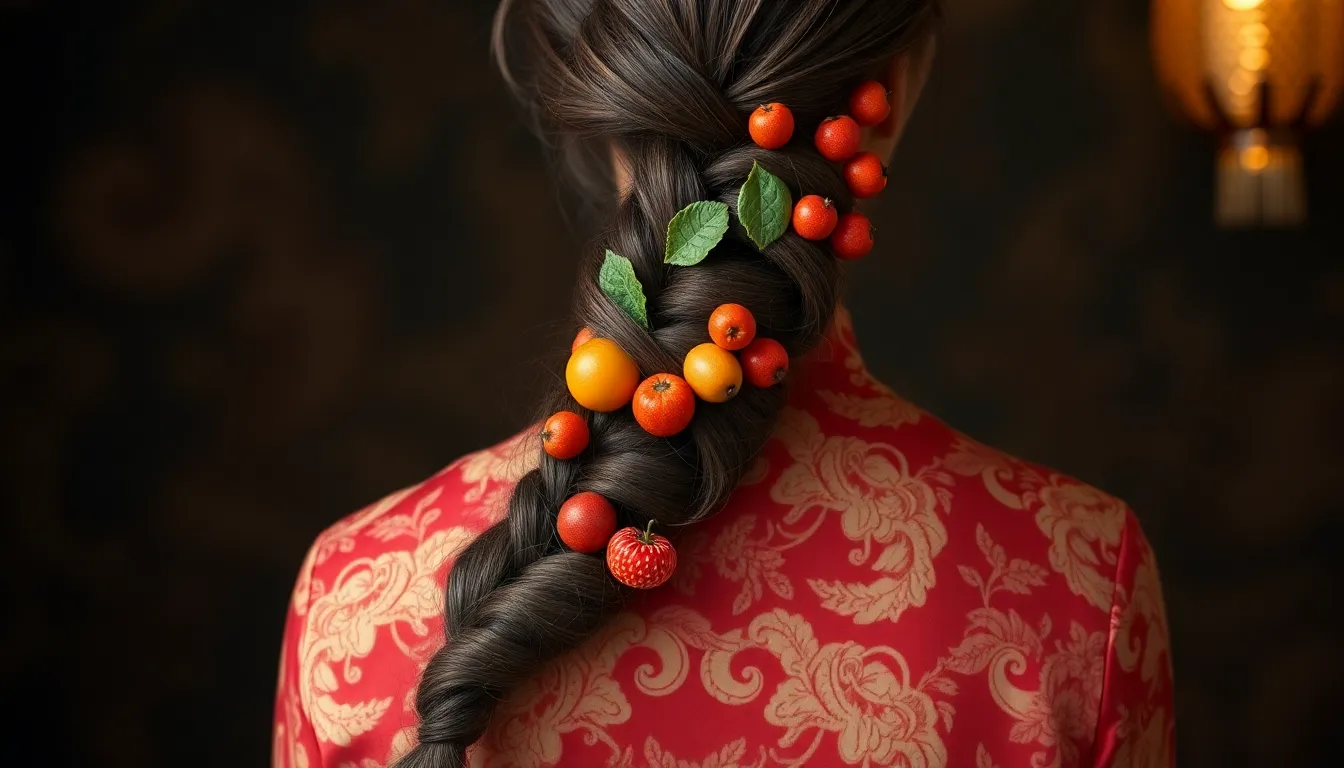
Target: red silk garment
[(880, 591)]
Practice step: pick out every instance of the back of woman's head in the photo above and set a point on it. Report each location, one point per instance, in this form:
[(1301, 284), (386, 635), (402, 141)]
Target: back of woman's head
[(668, 85)]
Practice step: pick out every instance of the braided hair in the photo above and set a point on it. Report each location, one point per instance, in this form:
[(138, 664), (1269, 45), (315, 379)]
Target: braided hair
[(669, 84)]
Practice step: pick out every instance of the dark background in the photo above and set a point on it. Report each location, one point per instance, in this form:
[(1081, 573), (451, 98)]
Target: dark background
[(264, 262)]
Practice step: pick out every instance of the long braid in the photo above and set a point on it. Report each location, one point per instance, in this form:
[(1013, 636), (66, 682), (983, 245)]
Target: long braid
[(670, 82)]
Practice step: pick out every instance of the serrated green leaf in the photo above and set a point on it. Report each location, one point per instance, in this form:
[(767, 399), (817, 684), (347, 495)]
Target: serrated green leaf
[(694, 231), (618, 281), (764, 206)]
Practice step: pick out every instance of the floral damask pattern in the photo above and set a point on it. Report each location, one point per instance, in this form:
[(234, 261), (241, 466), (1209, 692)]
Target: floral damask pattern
[(1084, 526), (396, 590), (1062, 711), (740, 558), (581, 696), (732, 755), (881, 504), (777, 630), (863, 695)]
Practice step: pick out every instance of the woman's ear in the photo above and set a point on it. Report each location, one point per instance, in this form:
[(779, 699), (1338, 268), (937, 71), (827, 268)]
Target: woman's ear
[(897, 84), (905, 80)]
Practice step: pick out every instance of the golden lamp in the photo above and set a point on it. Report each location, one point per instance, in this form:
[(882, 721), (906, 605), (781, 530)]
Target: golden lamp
[(1259, 73)]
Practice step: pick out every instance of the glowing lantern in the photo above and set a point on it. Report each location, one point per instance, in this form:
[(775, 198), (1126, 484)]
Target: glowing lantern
[(1258, 72)]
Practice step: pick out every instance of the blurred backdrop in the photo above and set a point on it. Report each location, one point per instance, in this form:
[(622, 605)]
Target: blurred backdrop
[(263, 262)]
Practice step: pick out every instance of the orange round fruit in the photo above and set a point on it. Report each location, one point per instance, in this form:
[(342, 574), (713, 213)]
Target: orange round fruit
[(765, 362), (713, 373), (868, 103), (584, 336), (814, 217), (853, 237), (564, 435), (866, 175), (771, 125), (732, 326), (601, 376), (838, 138), (586, 522), (664, 405)]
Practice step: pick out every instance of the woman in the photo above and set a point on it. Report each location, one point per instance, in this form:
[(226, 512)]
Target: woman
[(855, 582)]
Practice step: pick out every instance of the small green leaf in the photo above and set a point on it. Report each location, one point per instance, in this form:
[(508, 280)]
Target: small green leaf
[(764, 206), (617, 279), (694, 231)]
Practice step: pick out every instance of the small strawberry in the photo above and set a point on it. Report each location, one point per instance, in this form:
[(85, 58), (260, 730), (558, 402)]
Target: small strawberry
[(641, 559)]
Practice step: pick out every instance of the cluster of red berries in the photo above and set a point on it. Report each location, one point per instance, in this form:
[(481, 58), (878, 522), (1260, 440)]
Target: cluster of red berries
[(837, 139), (602, 377)]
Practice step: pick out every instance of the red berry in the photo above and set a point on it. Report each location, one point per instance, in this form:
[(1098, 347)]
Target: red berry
[(765, 363), (564, 435), (732, 326), (814, 217), (853, 237), (585, 522), (866, 175), (664, 405), (641, 559), (584, 336), (868, 103), (771, 125), (838, 138)]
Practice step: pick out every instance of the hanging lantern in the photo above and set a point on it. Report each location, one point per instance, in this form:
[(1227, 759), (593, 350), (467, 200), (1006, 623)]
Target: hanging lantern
[(1258, 72)]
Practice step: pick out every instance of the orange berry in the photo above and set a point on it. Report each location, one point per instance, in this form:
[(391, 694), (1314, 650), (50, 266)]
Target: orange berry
[(866, 175), (584, 335), (837, 138), (564, 435), (814, 217), (586, 522), (664, 405), (771, 125), (853, 237), (732, 326), (868, 103), (765, 362), (713, 373), (601, 376)]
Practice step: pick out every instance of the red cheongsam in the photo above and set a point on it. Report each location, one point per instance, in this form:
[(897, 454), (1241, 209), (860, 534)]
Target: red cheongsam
[(880, 591)]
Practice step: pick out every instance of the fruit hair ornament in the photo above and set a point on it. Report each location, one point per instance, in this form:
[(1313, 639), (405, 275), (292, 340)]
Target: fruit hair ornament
[(603, 378), (641, 559), (837, 138)]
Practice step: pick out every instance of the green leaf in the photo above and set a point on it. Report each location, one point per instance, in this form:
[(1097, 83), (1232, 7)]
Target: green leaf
[(694, 231), (764, 206), (617, 279)]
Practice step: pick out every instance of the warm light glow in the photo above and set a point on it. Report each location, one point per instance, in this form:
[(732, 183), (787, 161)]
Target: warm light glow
[(1254, 35), (1254, 158), (1254, 59), (1241, 82), (1260, 73)]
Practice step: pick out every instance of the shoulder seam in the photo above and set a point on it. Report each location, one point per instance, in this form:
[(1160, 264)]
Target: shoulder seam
[(1112, 618)]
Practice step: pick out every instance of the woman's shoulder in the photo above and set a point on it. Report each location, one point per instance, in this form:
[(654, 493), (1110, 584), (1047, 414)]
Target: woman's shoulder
[(367, 609), (919, 508), (429, 520)]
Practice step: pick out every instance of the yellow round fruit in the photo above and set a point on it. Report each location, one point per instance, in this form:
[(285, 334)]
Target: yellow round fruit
[(601, 376), (713, 372)]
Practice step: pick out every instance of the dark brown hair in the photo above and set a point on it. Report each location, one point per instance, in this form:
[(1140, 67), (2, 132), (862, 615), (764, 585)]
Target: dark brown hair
[(670, 83)]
